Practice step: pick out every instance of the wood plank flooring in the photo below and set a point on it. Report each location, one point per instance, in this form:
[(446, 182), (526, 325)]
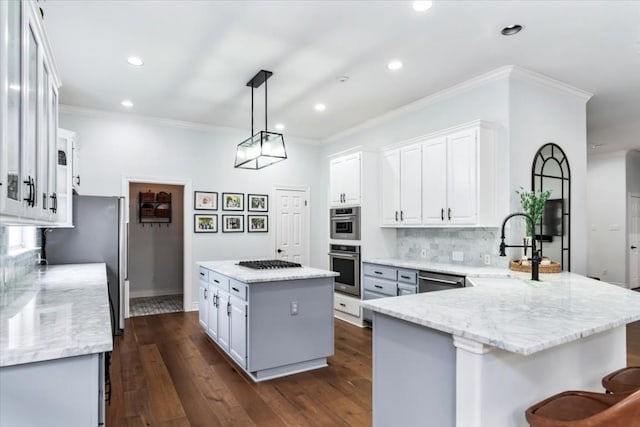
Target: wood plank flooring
[(166, 372)]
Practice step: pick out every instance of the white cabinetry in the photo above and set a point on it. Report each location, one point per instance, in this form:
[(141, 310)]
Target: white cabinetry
[(238, 330), (28, 117), (345, 180), (203, 301), (401, 195), (447, 179), (64, 177)]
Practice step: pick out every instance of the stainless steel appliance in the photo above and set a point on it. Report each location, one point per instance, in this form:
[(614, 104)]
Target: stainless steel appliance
[(98, 235), (345, 223), (345, 260), (429, 281)]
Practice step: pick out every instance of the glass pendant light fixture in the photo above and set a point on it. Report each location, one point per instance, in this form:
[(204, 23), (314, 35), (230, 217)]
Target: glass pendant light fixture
[(263, 148)]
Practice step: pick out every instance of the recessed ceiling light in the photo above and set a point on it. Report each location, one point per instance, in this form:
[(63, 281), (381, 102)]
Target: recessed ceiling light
[(511, 30), (320, 107), (134, 60), (422, 6), (279, 126), (127, 103), (394, 65)]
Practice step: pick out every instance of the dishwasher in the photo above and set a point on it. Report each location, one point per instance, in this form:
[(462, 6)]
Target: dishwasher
[(430, 282)]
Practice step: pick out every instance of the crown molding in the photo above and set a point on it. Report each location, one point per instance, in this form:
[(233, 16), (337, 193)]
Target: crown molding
[(528, 75), (180, 124), (491, 76)]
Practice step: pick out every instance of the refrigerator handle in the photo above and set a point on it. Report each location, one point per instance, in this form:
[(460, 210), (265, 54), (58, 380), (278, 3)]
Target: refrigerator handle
[(126, 249)]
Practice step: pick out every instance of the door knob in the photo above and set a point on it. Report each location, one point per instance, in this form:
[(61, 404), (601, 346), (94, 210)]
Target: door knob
[(279, 251)]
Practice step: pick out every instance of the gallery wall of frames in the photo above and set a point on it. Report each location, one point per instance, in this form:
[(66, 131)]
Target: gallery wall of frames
[(233, 218)]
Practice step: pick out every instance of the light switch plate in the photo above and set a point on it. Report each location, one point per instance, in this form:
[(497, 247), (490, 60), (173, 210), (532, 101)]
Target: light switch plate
[(487, 259), (423, 253), (457, 256), (294, 308)]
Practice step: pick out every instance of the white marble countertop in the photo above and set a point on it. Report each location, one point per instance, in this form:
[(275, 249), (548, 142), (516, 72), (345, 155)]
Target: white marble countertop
[(55, 312), (248, 275), (505, 309)]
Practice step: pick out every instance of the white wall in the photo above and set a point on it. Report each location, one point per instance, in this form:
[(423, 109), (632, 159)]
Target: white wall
[(607, 205), (115, 145), (540, 114), (156, 250)]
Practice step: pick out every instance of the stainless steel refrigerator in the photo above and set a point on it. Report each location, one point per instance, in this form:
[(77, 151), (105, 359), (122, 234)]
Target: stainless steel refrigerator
[(98, 235)]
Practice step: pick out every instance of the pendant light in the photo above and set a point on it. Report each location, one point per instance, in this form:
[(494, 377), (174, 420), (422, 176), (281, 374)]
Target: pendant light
[(262, 148)]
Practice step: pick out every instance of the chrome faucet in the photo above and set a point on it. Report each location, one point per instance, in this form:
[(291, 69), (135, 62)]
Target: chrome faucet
[(536, 256)]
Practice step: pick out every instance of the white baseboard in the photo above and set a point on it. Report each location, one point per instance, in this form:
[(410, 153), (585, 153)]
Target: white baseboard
[(153, 293)]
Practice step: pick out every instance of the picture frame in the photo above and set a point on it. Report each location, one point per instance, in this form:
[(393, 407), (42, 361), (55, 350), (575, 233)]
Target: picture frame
[(205, 201), (257, 203), (205, 223), (233, 201), (233, 223), (258, 223)]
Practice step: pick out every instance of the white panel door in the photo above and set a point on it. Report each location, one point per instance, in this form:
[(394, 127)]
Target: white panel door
[(434, 181), (462, 180), (410, 184), (336, 179), (292, 225), (390, 187), (238, 343), (351, 179), (212, 310), (634, 242), (224, 311)]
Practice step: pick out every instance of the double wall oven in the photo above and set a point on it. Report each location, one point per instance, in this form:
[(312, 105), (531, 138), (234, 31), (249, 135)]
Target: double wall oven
[(345, 260)]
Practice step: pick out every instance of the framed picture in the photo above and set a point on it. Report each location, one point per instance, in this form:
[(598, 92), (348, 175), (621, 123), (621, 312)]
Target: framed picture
[(257, 223), (205, 201), (258, 203), (205, 223), (233, 223), (232, 201)]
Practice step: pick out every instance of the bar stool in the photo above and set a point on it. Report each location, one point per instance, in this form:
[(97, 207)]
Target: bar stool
[(623, 380), (586, 409)]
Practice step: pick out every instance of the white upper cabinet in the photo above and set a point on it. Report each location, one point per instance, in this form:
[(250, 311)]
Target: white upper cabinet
[(345, 181), (64, 178), (28, 117), (401, 175), (448, 179)]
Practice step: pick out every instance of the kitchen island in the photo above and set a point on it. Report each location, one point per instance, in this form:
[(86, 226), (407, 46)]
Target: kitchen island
[(271, 323), (479, 356), (55, 329)]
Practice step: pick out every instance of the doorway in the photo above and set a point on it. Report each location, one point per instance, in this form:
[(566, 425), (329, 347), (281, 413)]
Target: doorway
[(634, 241), (292, 224), (155, 248)]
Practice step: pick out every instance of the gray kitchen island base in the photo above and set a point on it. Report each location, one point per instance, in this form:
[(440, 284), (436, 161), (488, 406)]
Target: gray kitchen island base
[(272, 323)]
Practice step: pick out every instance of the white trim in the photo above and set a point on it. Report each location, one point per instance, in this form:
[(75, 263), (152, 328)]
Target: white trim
[(153, 293), (307, 192), (188, 266), (181, 124), (506, 71), (471, 346)]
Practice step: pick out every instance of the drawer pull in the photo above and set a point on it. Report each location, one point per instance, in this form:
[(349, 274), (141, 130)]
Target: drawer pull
[(378, 272), (343, 304), (378, 286), (405, 277), (235, 289), (201, 273), (217, 281)]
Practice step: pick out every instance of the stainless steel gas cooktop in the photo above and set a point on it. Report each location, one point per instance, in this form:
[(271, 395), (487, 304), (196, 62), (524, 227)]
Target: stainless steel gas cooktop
[(268, 264)]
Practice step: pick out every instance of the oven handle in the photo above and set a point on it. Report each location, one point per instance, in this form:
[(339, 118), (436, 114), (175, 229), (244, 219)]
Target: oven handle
[(345, 256), (433, 279), (343, 218)]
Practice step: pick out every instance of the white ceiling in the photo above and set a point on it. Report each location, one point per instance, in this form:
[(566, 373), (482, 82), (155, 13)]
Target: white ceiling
[(200, 54)]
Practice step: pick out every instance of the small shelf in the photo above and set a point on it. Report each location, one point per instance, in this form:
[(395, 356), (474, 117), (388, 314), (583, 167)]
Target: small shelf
[(154, 208)]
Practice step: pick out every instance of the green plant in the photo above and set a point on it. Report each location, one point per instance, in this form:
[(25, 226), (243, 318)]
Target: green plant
[(533, 205)]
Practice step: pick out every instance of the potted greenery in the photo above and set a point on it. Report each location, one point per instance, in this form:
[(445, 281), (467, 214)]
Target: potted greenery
[(533, 205)]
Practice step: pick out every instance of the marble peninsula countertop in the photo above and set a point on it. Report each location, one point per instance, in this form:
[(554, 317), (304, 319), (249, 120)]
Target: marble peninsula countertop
[(248, 275), (55, 312), (507, 310)]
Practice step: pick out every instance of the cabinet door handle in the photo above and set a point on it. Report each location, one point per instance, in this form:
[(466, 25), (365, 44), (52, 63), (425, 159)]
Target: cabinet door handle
[(343, 304), (401, 215), (29, 199), (378, 286), (378, 272), (228, 309), (201, 273), (217, 281), (215, 300), (205, 294), (442, 214), (396, 216), (78, 180), (235, 289), (53, 203), (449, 214), (405, 277)]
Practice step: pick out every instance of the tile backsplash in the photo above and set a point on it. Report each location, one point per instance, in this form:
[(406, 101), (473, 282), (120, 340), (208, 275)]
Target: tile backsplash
[(439, 244), (12, 267)]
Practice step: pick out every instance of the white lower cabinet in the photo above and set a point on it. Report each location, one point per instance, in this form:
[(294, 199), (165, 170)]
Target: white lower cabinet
[(212, 312), (224, 312), (203, 307), (238, 326)]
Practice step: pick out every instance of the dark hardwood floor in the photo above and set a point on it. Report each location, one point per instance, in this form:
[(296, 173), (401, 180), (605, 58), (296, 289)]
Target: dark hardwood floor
[(166, 372)]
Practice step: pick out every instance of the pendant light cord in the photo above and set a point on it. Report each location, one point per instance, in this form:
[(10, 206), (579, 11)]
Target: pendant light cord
[(252, 111), (265, 106)]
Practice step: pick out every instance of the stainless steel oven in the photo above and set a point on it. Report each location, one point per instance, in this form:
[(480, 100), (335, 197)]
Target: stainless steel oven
[(345, 223), (345, 260), (430, 282)]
